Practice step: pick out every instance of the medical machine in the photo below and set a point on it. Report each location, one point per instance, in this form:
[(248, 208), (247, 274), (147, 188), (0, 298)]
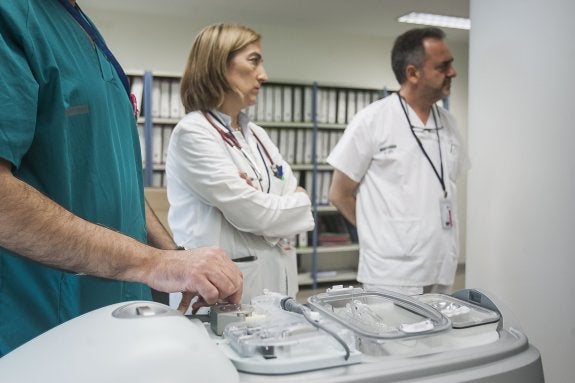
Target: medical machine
[(346, 334)]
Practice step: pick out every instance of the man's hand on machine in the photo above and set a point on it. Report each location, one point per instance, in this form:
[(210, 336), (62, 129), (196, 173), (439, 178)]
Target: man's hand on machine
[(206, 272)]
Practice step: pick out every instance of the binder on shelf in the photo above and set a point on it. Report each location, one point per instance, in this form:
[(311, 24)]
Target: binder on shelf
[(302, 240), (319, 138), (334, 137), (325, 184), (156, 98), (176, 107), (287, 104), (165, 97), (291, 146), (376, 95), (351, 104), (364, 100), (332, 106), (166, 134), (297, 106), (360, 101), (341, 106), (300, 146), (268, 103), (308, 181), (260, 105), (307, 103), (277, 103), (157, 179), (323, 145), (308, 146), (283, 146), (322, 105), (157, 135), (274, 134)]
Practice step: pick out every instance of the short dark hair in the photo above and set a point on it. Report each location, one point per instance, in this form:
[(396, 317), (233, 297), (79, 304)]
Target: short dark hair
[(408, 49)]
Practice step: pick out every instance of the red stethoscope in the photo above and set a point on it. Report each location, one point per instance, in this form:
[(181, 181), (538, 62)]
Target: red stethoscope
[(231, 140)]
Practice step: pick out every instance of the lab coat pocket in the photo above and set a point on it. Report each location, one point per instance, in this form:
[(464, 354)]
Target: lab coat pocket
[(253, 283)]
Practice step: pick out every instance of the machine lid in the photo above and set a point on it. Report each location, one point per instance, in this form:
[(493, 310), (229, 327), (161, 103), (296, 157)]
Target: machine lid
[(379, 314)]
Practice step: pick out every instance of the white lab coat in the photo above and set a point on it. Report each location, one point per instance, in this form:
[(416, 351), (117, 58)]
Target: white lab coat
[(401, 237), (211, 205)]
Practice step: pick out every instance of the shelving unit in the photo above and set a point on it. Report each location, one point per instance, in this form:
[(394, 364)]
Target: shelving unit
[(305, 121)]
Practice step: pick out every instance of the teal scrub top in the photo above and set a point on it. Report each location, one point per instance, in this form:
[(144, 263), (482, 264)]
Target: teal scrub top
[(67, 126)]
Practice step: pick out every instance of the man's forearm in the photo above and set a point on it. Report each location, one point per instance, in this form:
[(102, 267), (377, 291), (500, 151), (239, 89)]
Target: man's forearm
[(37, 228), (342, 194), (346, 207)]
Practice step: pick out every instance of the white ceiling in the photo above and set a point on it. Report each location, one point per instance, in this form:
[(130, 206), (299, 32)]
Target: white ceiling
[(373, 18)]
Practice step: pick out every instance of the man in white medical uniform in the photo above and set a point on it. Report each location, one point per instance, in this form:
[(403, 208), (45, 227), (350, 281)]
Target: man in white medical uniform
[(395, 174)]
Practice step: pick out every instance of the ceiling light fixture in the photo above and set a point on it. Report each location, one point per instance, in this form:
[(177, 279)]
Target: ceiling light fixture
[(436, 20)]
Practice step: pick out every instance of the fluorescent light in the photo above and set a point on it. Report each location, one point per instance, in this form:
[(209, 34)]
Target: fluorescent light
[(436, 20)]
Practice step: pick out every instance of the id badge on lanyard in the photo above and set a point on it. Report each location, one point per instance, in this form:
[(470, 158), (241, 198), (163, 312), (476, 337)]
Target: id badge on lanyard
[(446, 210)]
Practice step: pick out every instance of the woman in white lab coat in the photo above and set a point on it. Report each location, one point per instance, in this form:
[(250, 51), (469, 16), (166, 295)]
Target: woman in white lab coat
[(227, 183)]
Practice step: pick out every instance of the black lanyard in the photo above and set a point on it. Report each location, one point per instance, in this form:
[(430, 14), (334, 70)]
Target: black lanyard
[(91, 30), (439, 177)]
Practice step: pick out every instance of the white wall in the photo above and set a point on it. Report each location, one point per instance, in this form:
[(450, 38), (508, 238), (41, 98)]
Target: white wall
[(161, 44), (521, 189)]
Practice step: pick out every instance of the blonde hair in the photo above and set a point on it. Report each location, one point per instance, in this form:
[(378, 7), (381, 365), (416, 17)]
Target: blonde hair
[(204, 83)]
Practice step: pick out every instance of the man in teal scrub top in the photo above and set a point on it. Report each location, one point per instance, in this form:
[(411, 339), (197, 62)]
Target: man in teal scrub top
[(73, 219)]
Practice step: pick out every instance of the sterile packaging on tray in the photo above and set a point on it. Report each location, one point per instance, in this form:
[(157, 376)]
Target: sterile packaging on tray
[(383, 322), (462, 314)]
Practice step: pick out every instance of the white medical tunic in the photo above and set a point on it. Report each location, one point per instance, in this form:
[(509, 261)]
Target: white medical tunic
[(211, 205), (401, 237)]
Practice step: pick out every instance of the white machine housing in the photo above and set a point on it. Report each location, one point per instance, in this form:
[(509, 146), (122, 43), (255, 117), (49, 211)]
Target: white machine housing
[(149, 342), (139, 341)]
